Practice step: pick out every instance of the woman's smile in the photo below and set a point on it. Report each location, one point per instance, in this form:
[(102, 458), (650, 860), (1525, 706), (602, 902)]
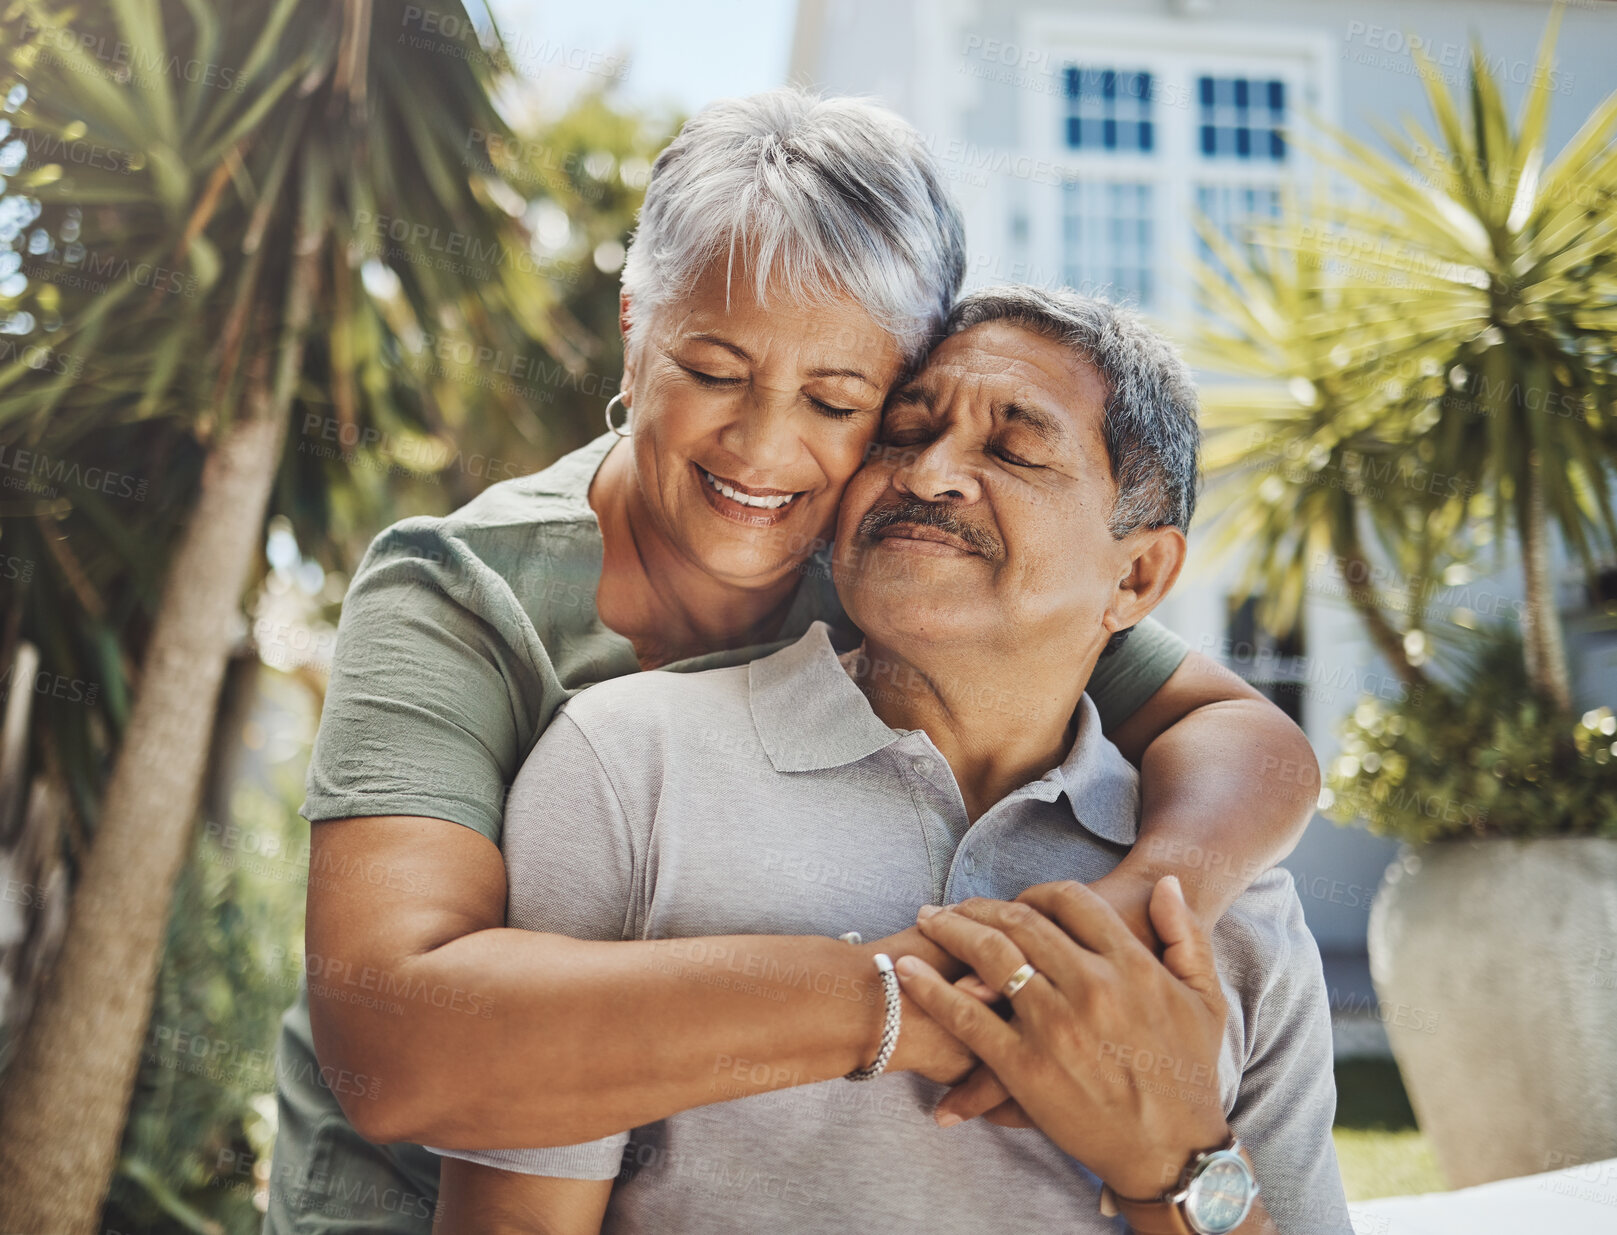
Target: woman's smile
[(745, 504)]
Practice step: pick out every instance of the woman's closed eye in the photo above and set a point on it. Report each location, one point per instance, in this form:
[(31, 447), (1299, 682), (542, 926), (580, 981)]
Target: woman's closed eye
[(831, 410), (713, 380), (709, 379)]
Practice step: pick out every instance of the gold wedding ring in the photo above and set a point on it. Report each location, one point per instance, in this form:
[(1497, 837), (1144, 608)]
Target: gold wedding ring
[(1018, 980)]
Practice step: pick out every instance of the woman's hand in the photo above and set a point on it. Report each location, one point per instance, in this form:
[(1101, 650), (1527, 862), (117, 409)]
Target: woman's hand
[(924, 1047), (1130, 895), (1111, 1053)]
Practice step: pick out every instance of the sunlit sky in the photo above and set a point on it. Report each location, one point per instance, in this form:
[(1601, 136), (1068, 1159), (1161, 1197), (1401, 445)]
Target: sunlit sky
[(679, 53)]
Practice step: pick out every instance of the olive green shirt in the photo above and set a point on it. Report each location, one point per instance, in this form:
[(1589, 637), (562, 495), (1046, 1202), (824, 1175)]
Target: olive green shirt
[(460, 638)]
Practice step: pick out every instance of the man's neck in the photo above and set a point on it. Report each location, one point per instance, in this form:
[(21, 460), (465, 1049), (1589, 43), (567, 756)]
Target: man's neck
[(1000, 720), (663, 603)]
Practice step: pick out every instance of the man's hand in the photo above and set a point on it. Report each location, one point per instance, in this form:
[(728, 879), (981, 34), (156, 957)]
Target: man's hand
[(1111, 1053), (982, 1093)]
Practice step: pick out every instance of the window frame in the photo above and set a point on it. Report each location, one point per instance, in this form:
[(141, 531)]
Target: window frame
[(1177, 53)]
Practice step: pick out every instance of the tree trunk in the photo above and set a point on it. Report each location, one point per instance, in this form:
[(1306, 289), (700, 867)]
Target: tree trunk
[(1543, 648), (65, 1098), (1362, 595)]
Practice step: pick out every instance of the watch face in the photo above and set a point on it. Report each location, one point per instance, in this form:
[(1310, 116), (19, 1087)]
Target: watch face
[(1220, 1195)]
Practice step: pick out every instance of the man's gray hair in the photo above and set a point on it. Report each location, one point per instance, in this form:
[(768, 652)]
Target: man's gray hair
[(1150, 427), (831, 197)]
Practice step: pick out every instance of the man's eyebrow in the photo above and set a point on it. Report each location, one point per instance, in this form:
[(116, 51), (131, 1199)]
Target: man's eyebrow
[(720, 341), (1047, 427)]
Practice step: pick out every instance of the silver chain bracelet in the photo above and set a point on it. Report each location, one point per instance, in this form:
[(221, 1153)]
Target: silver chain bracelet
[(895, 1007)]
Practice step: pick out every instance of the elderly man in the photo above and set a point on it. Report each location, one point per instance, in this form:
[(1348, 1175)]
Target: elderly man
[(1026, 506)]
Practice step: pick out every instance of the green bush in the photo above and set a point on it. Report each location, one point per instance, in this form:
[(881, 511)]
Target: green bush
[(1482, 758)]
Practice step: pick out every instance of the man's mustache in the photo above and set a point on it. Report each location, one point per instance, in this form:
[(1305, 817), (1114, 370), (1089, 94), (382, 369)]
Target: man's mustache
[(930, 514)]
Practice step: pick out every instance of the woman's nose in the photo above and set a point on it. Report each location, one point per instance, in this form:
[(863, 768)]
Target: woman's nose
[(761, 433)]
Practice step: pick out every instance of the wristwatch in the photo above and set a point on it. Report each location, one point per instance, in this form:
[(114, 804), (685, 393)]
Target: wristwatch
[(1213, 1197)]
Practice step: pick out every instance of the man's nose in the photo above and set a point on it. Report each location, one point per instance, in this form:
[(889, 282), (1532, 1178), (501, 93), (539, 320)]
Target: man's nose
[(937, 473)]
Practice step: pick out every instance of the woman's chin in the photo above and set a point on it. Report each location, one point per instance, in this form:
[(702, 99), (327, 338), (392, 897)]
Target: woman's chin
[(758, 560)]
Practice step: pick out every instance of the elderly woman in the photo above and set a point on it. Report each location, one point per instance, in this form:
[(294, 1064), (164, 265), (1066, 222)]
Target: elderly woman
[(794, 259)]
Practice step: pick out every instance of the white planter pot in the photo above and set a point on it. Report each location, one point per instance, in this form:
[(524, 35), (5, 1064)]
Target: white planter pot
[(1496, 965)]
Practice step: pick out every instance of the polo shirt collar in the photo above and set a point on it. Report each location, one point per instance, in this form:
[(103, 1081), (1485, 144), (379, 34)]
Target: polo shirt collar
[(810, 716), (1101, 786)]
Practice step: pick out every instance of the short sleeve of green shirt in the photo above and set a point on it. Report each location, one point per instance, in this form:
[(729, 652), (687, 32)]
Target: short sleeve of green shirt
[(460, 637), (1123, 680), (431, 698)]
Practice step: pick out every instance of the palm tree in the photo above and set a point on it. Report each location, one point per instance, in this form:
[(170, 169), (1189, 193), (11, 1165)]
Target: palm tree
[(1462, 321), (287, 210), (1297, 449)]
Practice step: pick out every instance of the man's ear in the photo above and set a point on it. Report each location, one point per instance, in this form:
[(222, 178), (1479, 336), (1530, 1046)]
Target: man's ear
[(1156, 558)]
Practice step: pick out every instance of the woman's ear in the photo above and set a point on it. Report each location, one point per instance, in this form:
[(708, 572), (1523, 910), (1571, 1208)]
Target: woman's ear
[(624, 318), (1156, 558)]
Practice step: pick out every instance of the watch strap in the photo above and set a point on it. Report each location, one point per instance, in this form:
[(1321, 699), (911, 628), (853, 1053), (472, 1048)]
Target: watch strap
[(1163, 1215), (1155, 1217)]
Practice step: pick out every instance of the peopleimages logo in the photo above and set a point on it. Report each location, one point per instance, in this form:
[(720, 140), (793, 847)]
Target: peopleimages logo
[(41, 470)]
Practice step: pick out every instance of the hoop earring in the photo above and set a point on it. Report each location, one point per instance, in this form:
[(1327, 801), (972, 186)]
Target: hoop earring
[(616, 400)]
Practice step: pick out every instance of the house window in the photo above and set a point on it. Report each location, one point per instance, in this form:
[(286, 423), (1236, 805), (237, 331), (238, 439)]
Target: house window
[(1107, 230), (1230, 207), (1242, 118), (1109, 109)]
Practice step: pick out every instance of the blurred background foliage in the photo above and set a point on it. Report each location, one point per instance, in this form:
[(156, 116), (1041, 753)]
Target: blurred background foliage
[(465, 331), (1434, 346), (1423, 365), (1484, 757)]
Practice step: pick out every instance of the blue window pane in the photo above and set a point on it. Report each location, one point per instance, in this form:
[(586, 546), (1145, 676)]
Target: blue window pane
[(1240, 91), (1277, 96), (1107, 109), (1209, 141), (1243, 142), (1277, 145), (1207, 91)]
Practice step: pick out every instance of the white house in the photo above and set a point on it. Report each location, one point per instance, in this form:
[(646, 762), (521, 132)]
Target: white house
[(1083, 138)]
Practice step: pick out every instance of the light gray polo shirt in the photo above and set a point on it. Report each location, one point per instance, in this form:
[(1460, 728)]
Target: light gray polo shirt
[(770, 799)]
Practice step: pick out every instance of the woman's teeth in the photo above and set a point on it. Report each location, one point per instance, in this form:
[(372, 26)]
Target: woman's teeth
[(747, 499)]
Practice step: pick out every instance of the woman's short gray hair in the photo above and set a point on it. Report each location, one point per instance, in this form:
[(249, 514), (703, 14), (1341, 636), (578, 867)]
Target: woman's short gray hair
[(830, 197), (1150, 426)]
